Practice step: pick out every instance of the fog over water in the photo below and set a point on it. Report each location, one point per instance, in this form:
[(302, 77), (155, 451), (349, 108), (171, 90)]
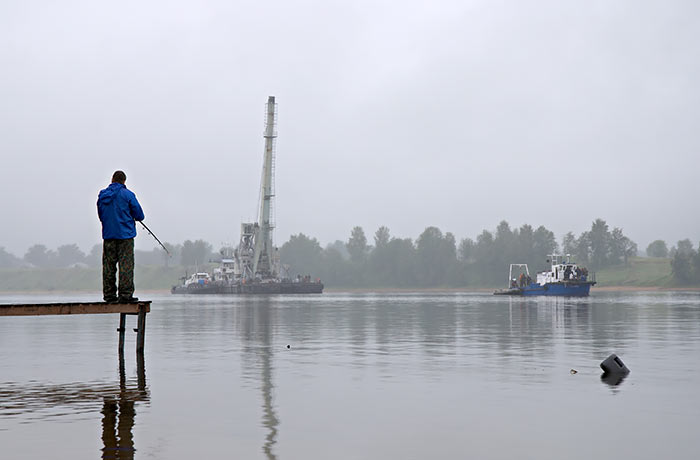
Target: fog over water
[(456, 114)]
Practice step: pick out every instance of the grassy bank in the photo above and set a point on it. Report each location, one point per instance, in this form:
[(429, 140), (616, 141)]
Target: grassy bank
[(83, 279), (640, 271)]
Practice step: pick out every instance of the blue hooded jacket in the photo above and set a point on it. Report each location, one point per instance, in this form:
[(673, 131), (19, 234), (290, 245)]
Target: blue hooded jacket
[(118, 208)]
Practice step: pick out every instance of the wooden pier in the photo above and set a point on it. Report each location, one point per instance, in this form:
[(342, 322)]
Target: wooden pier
[(139, 308)]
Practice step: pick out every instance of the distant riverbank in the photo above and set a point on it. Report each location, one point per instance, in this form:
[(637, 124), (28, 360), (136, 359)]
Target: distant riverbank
[(144, 293), (490, 290), (640, 274), (83, 279)]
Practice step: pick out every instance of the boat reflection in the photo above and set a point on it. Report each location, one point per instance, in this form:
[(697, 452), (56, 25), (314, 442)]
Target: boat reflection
[(270, 420), (256, 324)]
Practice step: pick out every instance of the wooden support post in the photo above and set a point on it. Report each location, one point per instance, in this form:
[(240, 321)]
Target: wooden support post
[(122, 371), (141, 373), (122, 329), (141, 333)]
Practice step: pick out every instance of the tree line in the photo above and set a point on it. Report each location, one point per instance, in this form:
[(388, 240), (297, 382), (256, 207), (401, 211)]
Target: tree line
[(436, 259), (433, 259), (685, 260), (189, 253)]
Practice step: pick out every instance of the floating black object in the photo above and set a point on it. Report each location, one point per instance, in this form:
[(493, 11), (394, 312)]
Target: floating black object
[(613, 366)]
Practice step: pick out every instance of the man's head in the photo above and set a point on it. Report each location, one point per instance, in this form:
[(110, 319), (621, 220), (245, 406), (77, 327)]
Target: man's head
[(119, 177)]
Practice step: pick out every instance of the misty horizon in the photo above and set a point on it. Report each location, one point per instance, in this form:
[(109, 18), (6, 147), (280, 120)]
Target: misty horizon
[(456, 115)]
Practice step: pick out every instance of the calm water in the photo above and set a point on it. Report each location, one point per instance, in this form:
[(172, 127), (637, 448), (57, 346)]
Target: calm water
[(366, 376)]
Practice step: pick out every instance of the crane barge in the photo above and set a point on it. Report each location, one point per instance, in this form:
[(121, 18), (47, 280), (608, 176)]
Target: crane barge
[(253, 267)]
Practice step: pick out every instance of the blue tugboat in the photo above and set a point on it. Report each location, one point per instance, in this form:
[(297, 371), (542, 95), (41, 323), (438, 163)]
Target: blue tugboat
[(564, 279)]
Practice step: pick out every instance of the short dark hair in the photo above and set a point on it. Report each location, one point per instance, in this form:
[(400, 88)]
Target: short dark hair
[(119, 176)]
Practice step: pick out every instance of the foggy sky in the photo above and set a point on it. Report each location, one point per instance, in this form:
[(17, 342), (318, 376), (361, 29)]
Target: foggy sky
[(406, 114)]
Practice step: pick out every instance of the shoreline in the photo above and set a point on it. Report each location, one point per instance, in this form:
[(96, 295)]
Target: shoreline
[(146, 292), (82, 292), (645, 288), (489, 290)]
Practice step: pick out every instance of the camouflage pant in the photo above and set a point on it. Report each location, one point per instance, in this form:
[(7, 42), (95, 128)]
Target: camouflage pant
[(118, 252)]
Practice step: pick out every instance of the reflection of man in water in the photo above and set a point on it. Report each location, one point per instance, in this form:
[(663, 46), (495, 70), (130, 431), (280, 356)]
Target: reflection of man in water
[(119, 443), (118, 414)]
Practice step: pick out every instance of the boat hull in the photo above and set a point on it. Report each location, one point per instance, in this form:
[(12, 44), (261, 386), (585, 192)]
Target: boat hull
[(253, 288), (570, 289), (559, 289), (198, 289)]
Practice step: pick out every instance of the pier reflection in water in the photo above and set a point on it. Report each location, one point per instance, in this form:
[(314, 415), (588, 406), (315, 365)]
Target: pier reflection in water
[(118, 412), (36, 402)]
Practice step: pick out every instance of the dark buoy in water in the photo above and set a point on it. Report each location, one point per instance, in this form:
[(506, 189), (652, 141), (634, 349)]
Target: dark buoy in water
[(288, 346), (614, 365), (614, 370)]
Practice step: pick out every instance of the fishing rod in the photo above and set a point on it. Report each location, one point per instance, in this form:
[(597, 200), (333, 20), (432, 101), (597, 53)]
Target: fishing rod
[(154, 236)]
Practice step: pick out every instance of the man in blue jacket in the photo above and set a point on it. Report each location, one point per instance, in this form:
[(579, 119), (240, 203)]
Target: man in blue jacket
[(118, 210)]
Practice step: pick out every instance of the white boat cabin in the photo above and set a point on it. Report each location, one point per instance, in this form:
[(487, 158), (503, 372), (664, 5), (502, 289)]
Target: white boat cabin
[(198, 278), (226, 271), (562, 270)]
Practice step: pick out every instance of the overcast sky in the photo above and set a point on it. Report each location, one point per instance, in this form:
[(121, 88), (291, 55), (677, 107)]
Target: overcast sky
[(407, 114)]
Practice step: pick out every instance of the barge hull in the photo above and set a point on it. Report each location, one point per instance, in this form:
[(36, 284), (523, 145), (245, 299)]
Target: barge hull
[(253, 288), (559, 289)]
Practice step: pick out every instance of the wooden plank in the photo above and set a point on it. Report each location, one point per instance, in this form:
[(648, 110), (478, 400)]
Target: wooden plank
[(75, 308)]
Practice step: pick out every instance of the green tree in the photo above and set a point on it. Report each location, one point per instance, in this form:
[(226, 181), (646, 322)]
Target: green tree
[(380, 262), (303, 256), (487, 260), (657, 248), (569, 244), (436, 256), (599, 241), (685, 247), (683, 263), (381, 237), (524, 245), (599, 247), (402, 256), (544, 244), (39, 256), (335, 267), (357, 245), (584, 253), (621, 247), (69, 254), (195, 252), (154, 257), (467, 249), (341, 247), (504, 246), (94, 257), (172, 254), (8, 260)]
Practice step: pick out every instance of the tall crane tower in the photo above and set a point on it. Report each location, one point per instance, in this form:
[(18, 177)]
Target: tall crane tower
[(256, 255)]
